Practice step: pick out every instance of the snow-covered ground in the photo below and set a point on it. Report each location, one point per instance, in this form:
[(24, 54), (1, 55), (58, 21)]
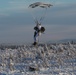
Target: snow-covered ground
[(45, 59)]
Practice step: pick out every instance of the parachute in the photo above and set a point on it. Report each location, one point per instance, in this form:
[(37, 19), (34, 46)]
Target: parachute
[(39, 10), (43, 5)]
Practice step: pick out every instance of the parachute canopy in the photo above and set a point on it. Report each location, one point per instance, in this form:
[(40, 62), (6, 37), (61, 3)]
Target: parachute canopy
[(40, 4)]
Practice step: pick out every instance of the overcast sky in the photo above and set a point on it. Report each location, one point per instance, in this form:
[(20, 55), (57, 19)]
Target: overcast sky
[(16, 21)]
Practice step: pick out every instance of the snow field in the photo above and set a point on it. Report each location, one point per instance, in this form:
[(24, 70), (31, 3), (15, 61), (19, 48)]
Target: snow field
[(47, 59)]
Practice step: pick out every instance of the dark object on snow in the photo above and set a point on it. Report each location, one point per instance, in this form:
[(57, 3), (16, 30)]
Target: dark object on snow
[(33, 68)]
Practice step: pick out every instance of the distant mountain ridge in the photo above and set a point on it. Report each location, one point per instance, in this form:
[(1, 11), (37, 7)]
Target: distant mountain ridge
[(63, 41), (67, 40)]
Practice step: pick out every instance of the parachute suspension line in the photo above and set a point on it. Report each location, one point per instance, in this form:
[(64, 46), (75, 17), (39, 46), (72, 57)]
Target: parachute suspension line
[(36, 21), (43, 16), (34, 18)]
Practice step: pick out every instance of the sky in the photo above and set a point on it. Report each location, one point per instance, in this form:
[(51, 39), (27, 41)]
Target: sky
[(17, 23)]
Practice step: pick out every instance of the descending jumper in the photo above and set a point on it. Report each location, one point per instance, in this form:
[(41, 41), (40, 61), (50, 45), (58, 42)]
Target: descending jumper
[(38, 11)]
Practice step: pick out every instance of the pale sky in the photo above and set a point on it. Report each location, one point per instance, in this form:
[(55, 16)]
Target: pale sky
[(16, 21)]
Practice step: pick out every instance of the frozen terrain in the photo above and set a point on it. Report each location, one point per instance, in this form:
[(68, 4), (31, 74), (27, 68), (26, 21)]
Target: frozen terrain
[(45, 59)]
